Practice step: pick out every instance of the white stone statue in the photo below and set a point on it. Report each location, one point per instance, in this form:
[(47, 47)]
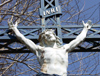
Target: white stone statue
[(52, 57)]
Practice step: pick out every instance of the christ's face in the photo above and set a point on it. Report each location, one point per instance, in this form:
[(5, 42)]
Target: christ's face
[(50, 36)]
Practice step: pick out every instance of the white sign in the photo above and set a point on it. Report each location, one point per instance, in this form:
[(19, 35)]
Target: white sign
[(50, 11)]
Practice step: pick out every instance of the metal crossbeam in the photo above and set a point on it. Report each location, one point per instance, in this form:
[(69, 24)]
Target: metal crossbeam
[(9, 43)]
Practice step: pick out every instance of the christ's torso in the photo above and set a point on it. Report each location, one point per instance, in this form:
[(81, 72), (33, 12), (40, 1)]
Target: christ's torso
[(53, 60)]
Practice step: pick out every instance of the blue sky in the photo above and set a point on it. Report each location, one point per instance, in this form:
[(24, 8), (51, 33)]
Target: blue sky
[(95, 9)]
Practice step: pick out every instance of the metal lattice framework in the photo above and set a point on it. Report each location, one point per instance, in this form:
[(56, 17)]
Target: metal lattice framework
[(68, 33), (50, 12)]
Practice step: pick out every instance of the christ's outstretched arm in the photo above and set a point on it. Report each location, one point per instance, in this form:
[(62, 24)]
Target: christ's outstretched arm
[(69, 47), (29, 44)]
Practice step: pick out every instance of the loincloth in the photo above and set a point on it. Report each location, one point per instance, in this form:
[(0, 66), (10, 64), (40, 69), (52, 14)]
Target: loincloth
[(43, 74)]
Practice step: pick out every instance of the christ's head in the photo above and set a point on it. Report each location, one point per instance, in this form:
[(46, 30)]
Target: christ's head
[(47, 37)]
